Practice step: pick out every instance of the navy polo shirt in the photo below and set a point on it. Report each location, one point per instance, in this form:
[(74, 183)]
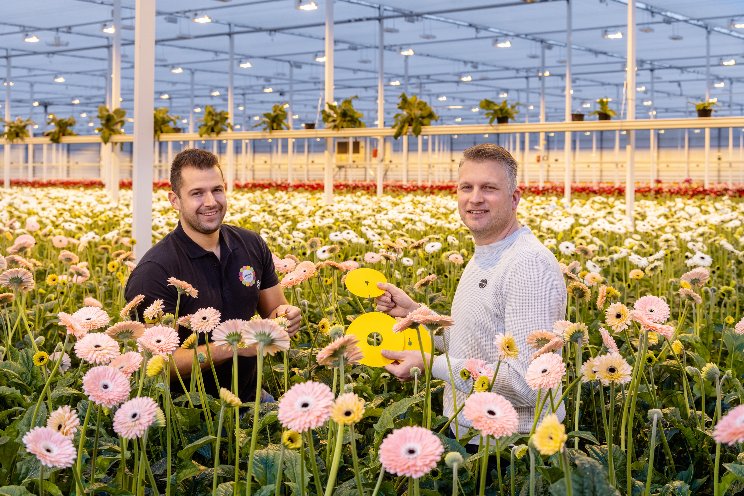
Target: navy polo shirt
[(230, 284)]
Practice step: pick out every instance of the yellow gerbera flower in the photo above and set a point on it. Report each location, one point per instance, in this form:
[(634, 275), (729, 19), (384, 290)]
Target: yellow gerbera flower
[(52, 279), (506, 346), (464, 374), (482, 384), (229, 398), (189, 342), (155, 366), (729, 320), (685, 284), (636, 274), (112, 266), (677, 347), (617, 316), (292, 439), (41, 358), (550, 435), (612, 368), (324, 325), (347, 409)]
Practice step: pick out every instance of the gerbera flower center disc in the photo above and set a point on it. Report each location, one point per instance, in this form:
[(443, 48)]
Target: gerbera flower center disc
[(411, 451)]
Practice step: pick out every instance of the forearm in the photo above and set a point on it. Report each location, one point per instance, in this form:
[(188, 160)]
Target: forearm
[(219, 354)]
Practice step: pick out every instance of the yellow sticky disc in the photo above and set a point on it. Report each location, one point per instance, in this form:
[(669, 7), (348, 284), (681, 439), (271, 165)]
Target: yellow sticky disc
[(363, 282), (375, 333), (411, 341)]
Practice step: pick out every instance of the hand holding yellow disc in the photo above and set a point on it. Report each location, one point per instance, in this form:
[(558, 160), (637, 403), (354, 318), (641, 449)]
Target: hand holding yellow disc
[(363, 282), (374, 331), (411, 339)]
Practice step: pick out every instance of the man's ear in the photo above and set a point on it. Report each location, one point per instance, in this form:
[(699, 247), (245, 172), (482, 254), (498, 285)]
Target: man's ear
[(174, 200), (516, 196)]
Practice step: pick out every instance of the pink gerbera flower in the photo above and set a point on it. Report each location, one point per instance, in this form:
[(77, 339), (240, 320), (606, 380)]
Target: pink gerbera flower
[(50, 447), (555, 344), (159, 340), (346, 346), (739, 327), (730, 429), (268, 333), (92, 318), (474, 366), (128, 363), (98, 348), (89, 301), (205, 319), (64, 420), (183, 287), (545, 371), (411, 451), (126, 329), (106, 386), (348, 265), (492, 414), (608, 341), (423, 315), (229, 333), (697, 277), (649, 325), (59, 241), (305, 270), (134, 417), (72, 325), (284, 265), (653, 307), (305, 406)]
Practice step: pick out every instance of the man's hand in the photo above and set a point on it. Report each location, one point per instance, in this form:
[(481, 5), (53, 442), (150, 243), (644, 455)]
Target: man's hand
[(394, 301), (404, 362), (293, 315)]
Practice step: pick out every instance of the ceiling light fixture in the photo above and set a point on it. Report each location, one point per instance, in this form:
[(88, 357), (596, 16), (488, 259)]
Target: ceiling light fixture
[(59, 78), (177, 70), (395, 83), (83, 114), (164, 96), (31, 38), (320, 58), (36, 103), (454, 106), (503, 94), (197, 110), (241, 108), (245, 64), (442, 98), (458, 119), (475, 109), (268, 89), (108, 28), (728, 62), (737, 24), (719, 84), (201, 19), (75, 101), (641, 88), (306, 5), (647, 103), (612, 35), (466, 78), (407, 52), (505, 43), (215, 93)]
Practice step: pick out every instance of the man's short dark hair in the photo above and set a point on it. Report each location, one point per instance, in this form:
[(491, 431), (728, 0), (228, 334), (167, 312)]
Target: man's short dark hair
[(191, 157), (488, 152)]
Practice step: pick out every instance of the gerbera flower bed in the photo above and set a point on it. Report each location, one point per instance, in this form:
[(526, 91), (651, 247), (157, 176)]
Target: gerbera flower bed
[(647, 365)]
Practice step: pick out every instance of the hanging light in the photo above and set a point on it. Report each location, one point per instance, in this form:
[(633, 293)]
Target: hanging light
[(458, 119), (641, 89), (83, 114), (201, 19), (241, 108), (737, 24), (454, 107), (407, 52), (245, 64), (306, 5), (108, 28), (215, 93), (31, 38), (647, 103), (36, 103), (320, 58), (177, 70), (719, 84), (395, 83), (75, 101), (59, 78), (268, 89), (503, 94), (505, 43), (728, 62), (164, 96), (466, 78), (442, 98), (475, 109), (197, 109), (612, 35)]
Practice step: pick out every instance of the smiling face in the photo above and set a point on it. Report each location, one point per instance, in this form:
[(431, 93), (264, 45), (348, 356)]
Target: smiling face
[(486, 204), (200, 200)]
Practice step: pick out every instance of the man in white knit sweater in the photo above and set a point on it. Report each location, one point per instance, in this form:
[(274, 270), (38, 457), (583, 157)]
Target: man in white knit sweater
[(511, 285)]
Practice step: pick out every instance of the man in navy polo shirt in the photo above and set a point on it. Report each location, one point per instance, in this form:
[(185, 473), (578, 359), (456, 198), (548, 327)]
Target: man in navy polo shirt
[(232, 269)]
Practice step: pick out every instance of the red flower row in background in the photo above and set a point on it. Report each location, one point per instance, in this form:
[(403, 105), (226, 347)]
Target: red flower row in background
[(686, 188)]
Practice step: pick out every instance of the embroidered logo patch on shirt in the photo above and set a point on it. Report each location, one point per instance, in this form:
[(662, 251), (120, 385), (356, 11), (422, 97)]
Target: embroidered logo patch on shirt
[(481, 284), (247, 275)]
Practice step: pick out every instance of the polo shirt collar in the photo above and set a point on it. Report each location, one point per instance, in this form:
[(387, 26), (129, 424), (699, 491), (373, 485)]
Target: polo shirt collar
[(194, 250)]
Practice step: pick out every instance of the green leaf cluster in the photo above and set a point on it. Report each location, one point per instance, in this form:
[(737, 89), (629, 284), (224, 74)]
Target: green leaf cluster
[(62, 127), (495, 110), (214, 122), (16, 130), (414, 115), (705, 105), (276, 120), (342, 116), (604, 108), (164, 123), (112, 122)]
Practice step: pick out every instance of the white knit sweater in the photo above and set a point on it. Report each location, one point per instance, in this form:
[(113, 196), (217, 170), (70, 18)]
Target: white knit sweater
[(511, 286)]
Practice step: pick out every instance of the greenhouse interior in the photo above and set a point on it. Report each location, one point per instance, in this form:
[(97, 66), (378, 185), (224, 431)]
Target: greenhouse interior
[(435, 248)]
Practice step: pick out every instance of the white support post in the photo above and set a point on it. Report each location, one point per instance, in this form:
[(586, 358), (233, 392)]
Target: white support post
[(44, 161), (144, 75), (380, 100), (526, 162), (114, 167), (329, 152), (429, 165), (291, 141), (230, 179), (653, 136), (405, 158), (567, 113), (706, 165), (731, 157), (596, 171), (687, 153), (6, 146), (419, 158), (191, 105), (630, 90), (541, 173), (30, 170)]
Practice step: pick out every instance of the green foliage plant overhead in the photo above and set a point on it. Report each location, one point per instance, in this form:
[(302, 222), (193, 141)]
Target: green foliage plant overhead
[(17, 130), (214, 122), (112, 122), (495, 110), (62, 127), (342, 116), (604, 108), (276, 120), (164, 123), (414, 115)]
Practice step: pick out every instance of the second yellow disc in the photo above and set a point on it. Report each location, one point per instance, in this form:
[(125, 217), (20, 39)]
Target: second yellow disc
[(374, 331)]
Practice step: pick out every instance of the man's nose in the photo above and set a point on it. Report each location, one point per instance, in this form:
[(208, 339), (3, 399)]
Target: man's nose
[(209, 198), (476, 196)]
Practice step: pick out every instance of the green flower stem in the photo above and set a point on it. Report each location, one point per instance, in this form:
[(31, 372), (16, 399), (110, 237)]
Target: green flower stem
[(169, 426), (256, 411), (122, 464), (609, 436), (314, 463), (451, 419), (539, 404), (427, 368), (379, 482), (484, 469), (180, 380), (651, 452), (202, 394), (279, 473), (498, 465), (148, 468), (455, 480), (355, 461), (41, 480), (331, 485), (285, 359), (454, 390), (209, 359), (577, 401), (512, 483), (217, 447), (717, 465), (237, 414), (566, 472), (632, 394), (81, 445), (302, 471), (95, 445), (532, 471), (48, 382)]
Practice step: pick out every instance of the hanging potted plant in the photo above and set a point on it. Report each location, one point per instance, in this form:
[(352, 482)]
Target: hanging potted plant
[(604, 112), (111, 122), (414, 115), (164, 123), (214, 122), (62, 127), (499, 112), (705, 109), (276, 120), (577, 116), (17, 130)]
